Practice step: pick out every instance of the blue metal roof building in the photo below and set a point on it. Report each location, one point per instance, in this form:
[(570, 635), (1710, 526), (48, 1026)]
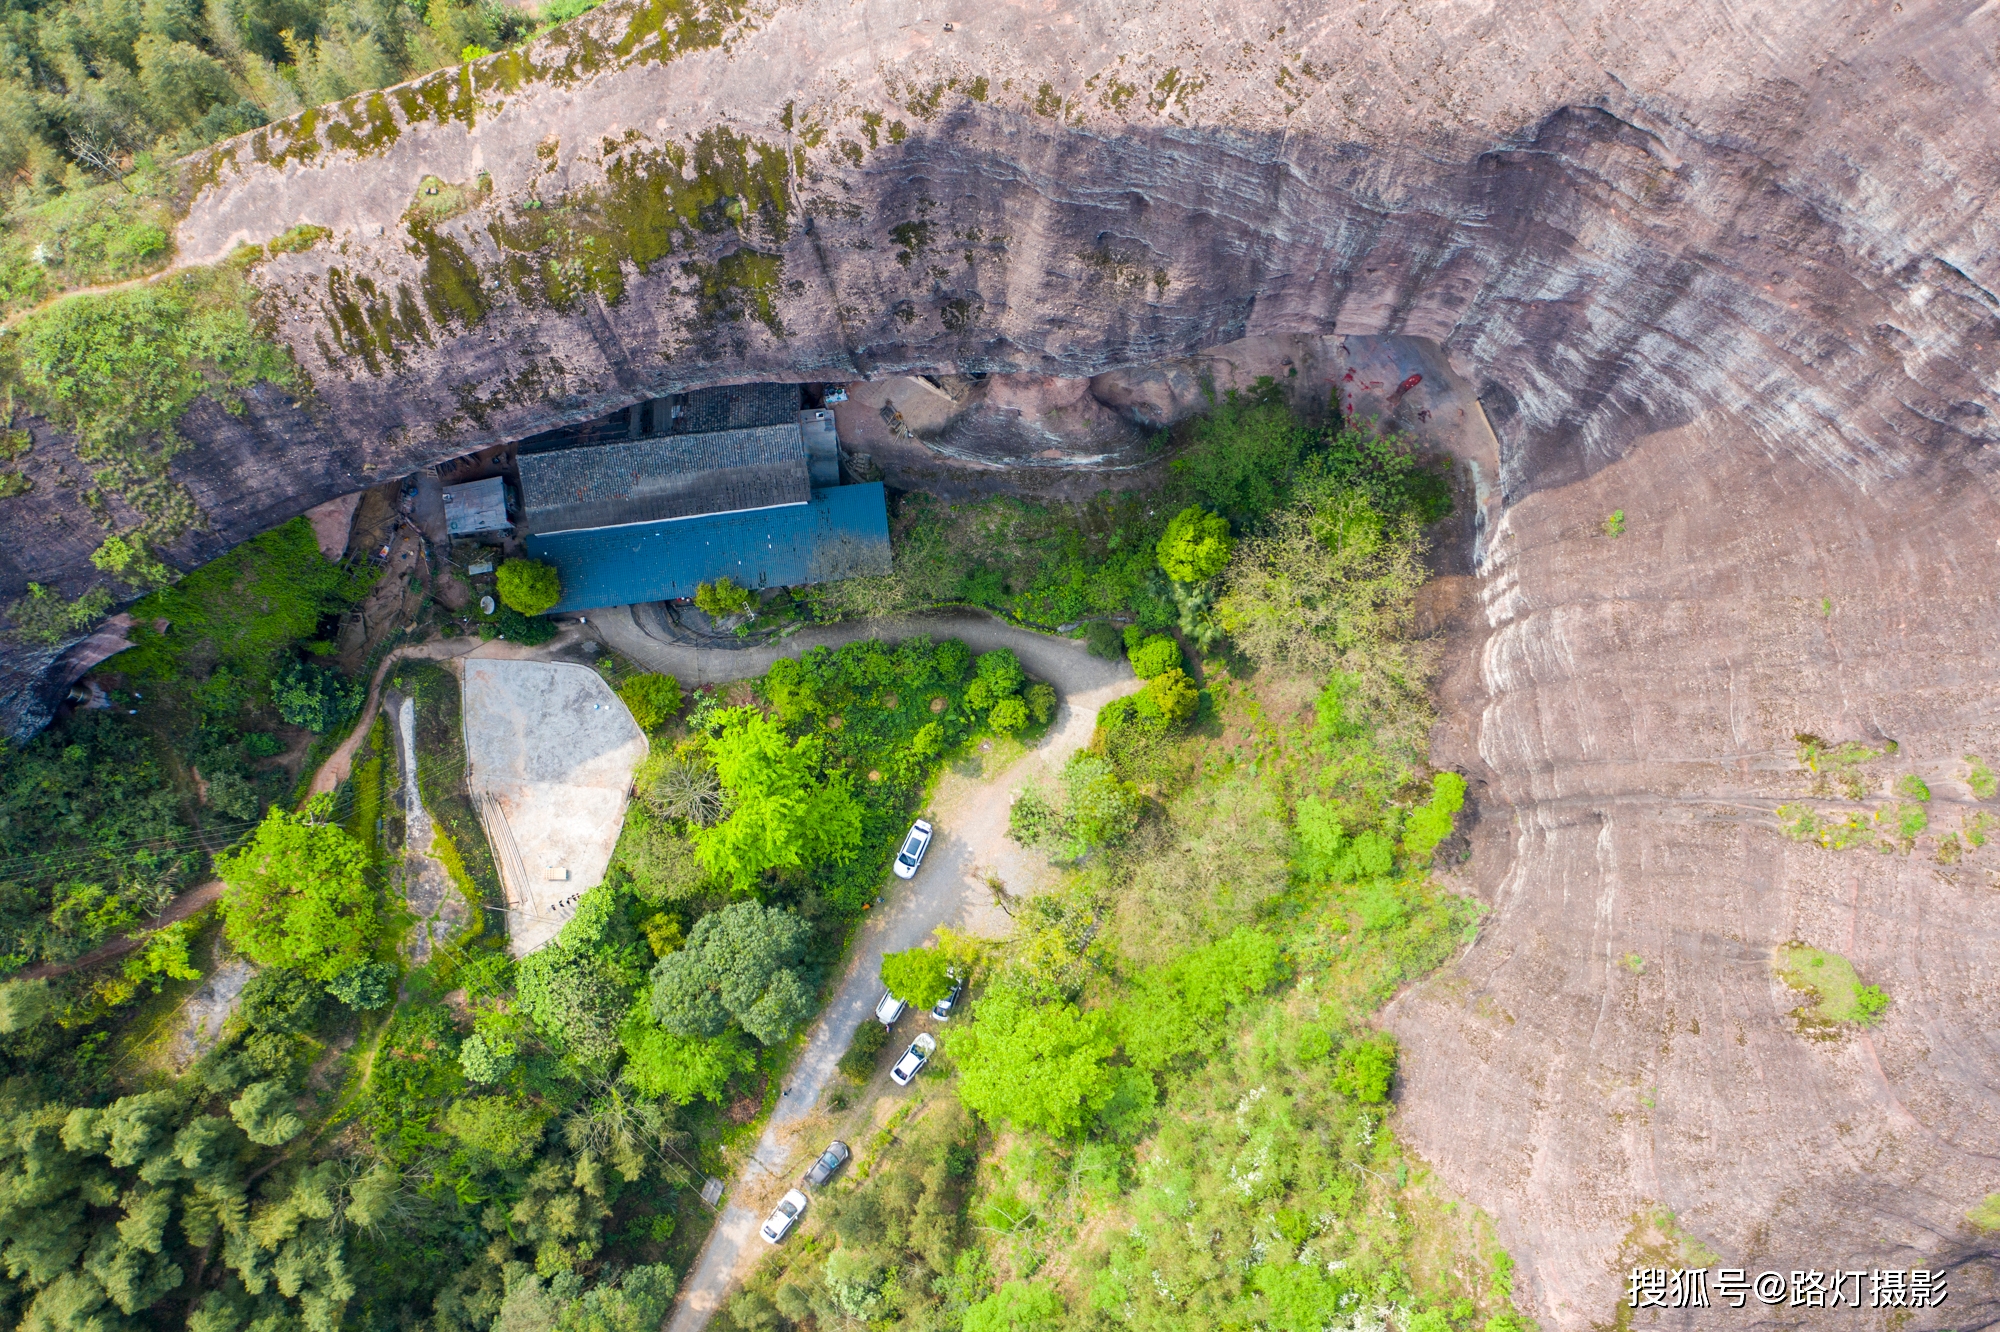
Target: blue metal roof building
[(843, 532)]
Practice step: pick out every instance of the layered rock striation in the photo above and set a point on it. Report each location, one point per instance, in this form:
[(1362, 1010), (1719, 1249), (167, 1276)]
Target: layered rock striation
[(1728, 268)]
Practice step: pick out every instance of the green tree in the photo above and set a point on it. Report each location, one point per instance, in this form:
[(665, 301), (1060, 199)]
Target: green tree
[(370, 985), (316, 698), (1155, 655), (1038, 1066), (1243, 453), (638, 1301), (1099, 809), (1366, 1068), (1177, 1009), (1171, 696), (1328, 853), (1195, 546), (784, 812), (504, 1129), (266, 1114), (721, 598), (529, 586), (1000, 671), (918, 976), (1431, 823), (742, 963), (653, 699), (1327, 588), (485, 1060), (682, 1069), (23, 1003), (1018, 1306), (298, 895), (1008, 716)]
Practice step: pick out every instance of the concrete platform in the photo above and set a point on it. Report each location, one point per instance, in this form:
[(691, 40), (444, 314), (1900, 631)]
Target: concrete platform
[(552, 750)]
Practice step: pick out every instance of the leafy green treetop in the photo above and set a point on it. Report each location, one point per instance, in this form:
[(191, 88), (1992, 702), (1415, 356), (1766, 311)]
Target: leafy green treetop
[(1018, 1306), (742, 963), (1328, 853), (1000, 670), (1101, 809), (1431, 823), (529, 586), (1366, 1069), (918, 976), (784, 814), (1170, 696), (1155, 656), (722, 598), (1195, 546), (652, 698), (1039, 1066), (298, 895), (316, 698)]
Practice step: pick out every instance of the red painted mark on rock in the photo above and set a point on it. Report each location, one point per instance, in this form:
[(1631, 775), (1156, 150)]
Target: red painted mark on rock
[(1407, 385)]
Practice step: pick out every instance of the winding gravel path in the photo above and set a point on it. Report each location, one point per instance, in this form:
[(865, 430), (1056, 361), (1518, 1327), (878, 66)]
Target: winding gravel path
[(970, 814)]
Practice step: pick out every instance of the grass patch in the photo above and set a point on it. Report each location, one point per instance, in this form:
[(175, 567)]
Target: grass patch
[(118, 369), (226, 622), (86, 237), (1839, 995)]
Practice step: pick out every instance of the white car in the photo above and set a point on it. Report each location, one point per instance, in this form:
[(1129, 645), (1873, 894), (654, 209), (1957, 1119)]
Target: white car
[(787, 1213), (913, 1060), (914, 846), (941, 1011), (888, 1008)]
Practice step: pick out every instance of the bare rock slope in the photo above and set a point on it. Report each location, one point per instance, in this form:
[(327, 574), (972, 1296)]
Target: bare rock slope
[(1728, 267)]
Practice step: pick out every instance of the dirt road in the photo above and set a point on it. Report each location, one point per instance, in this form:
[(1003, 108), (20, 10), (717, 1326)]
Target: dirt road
[(970, 814)]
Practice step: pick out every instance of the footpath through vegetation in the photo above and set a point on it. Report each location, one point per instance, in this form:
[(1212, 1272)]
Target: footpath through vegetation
[(1160, 1103)]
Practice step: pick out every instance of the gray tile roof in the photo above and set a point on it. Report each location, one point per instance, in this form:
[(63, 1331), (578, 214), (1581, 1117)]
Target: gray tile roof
[(673, 476)]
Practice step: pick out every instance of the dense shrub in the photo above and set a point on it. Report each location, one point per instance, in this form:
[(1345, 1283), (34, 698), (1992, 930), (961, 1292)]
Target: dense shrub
[(654, 699), (316, 698), (1195, 546), (863, 1052), (298, 895), (529, 586), (722, 598), (1155, 655), (1104, 639)]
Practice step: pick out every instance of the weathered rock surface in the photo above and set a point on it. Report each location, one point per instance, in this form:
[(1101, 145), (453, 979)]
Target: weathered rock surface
[(1730, 268)]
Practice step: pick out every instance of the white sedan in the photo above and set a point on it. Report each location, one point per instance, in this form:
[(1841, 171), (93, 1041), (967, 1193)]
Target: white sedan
[(912, 854), (913, 1060), (789, 1209)]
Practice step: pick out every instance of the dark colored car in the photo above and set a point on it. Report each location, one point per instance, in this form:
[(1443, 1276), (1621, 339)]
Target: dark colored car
[(829, 1164)]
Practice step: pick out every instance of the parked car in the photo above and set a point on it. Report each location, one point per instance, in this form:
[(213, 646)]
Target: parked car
[(914, 846), (784, 1216), (888, 1008), (829, 1164), (941, 1010), (913, 1060)]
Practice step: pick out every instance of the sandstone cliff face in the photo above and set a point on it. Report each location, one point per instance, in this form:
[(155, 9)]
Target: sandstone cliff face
[(1728, 267)]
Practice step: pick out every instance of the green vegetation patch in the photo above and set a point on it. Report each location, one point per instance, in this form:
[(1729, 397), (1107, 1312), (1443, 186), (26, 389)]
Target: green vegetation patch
[(117, 370), (225, 623), (441, 778), (1832, 980), (85, 237), (1053, 564)]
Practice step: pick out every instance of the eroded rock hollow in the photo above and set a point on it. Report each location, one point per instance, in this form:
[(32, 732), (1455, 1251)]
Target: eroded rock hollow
[(1727, 269)]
